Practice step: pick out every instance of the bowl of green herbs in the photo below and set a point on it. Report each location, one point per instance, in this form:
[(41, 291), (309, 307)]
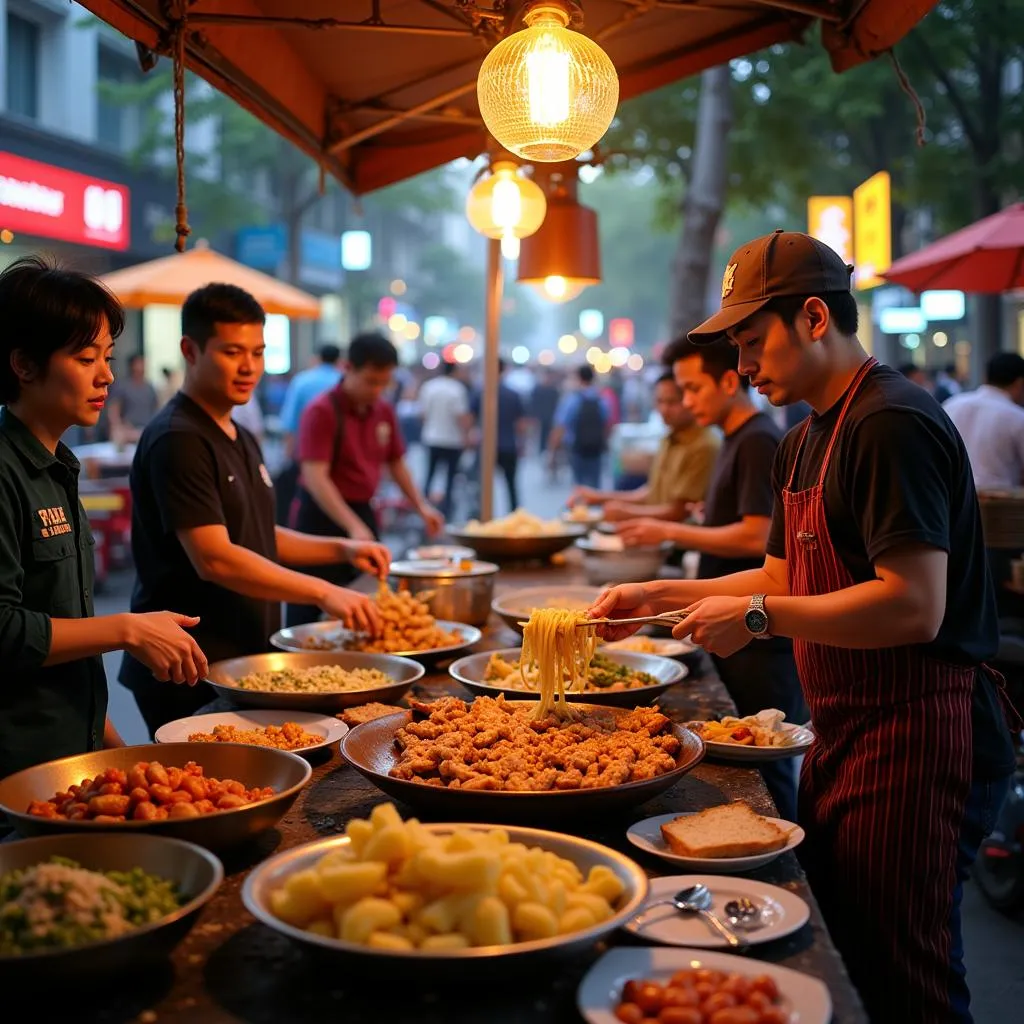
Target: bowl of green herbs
[(80, 907)]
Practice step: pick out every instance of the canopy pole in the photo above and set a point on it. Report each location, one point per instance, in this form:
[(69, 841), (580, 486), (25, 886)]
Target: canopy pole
[(489, 405)]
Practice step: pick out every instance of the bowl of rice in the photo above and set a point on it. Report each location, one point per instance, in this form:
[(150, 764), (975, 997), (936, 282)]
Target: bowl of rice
[(317, 681), (76, 908)]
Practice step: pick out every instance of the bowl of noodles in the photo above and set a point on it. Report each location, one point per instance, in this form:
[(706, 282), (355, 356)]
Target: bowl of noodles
[(618, 679), (519, 536), (549, 755)]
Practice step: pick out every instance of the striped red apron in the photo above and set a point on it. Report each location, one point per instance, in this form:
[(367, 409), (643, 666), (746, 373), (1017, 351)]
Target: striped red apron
[(883, 788)]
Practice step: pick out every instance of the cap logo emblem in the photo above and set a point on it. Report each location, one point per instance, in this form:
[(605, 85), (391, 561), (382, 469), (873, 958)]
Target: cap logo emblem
[(729, 280)]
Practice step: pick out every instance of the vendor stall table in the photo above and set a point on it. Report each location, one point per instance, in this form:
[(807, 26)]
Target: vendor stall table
[(233, 969)]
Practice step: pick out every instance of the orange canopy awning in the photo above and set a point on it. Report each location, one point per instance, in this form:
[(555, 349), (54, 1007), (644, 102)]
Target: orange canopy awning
[(170, 279), (381, 90)]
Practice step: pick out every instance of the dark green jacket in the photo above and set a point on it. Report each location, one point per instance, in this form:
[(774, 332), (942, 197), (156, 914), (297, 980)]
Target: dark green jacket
[(46, 569)]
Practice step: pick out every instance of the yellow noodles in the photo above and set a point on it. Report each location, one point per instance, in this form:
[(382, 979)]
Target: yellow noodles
[(555, 649)]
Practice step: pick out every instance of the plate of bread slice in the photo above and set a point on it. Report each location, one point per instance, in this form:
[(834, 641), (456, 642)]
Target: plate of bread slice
[(720, 840)]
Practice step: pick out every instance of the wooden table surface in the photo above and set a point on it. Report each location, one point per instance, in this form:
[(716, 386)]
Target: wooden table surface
[(232, 969)]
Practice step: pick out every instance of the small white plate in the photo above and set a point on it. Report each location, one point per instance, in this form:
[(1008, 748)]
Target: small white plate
[(801, 736), (594, 515), (646, 835), (663, 648), (331, 729), (803, 998), (671, 927)]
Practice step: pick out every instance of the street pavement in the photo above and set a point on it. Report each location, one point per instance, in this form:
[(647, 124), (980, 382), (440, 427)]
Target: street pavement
[(993, 943)]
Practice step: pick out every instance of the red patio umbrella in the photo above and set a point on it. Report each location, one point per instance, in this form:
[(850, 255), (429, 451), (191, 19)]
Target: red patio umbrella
[(985, 257)]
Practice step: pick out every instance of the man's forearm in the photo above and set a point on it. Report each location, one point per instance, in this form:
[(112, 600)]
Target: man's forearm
[(735, 540), (73, 639), (244, 572), (867, 616), (667, 595), (667, 511), (294, 548), (401, 475)]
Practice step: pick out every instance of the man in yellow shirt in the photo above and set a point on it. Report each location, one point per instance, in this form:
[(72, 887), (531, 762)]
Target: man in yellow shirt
[(680, 472)]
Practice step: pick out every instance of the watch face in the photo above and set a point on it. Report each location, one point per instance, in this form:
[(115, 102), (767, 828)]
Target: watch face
[(756, 621)]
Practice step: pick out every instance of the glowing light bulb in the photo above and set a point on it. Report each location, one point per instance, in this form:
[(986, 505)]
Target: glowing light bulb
[(506, 201), (567, 344), (509, 245), (556, 287), (548, 82)]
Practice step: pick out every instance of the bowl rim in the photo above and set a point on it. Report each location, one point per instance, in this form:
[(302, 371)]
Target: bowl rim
[(196, 903), (631, 868), (407, 664), (459, 534), (524, 795), (499, 606), (279, 637), (680, 671), (69, 827)]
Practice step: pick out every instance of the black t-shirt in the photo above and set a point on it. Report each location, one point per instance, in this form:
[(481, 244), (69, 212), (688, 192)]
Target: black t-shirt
[(740, 485), (900, 475), (188, 473)]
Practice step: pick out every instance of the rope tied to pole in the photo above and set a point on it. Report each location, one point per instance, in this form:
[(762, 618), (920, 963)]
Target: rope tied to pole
[(176, 14), (901, 77)]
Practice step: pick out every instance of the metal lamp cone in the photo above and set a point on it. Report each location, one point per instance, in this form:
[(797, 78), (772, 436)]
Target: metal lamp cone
[(566, 245)]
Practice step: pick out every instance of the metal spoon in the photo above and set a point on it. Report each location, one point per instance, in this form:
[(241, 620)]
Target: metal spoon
[(696, 899)]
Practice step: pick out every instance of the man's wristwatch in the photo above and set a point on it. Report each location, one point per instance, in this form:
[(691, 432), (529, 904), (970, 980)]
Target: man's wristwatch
[(756, 619)]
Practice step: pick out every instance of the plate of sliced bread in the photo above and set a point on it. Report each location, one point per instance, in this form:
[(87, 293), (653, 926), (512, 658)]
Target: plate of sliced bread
[(722, 840)]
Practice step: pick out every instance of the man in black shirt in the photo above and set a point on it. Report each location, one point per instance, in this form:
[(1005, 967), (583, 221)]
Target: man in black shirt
[(737, 519), (203, 533), (876, 568)]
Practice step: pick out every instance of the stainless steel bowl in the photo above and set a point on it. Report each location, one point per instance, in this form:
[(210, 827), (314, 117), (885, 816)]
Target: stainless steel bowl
[(269, 875), (297, 638), (441, 552), (631, 565), (371, 749), (223, 677), (254, 767), (456, 591), (196, 873), (470, 673), (521, 549), (515, 605)]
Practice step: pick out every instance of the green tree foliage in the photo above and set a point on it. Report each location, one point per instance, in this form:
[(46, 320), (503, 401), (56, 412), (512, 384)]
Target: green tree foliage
[(800, 129)]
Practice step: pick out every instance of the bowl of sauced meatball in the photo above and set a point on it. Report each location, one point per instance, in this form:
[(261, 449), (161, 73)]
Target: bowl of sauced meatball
[(214, 795)]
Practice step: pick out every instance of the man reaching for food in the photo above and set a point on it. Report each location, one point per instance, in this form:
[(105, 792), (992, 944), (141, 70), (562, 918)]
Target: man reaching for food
[(679, 475), (203, 533)]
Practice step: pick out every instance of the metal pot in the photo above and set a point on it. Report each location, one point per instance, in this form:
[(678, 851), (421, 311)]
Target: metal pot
[(631, 565), (458, 592)]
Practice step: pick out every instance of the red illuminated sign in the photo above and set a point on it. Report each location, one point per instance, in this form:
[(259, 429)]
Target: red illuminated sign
[(620, 333), (39, 199)]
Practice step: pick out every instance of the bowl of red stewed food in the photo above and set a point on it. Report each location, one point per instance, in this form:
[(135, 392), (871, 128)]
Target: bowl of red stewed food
[(215, 795)]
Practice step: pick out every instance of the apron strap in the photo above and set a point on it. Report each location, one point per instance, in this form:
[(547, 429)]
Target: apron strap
[(1013, 718), (851, 394)]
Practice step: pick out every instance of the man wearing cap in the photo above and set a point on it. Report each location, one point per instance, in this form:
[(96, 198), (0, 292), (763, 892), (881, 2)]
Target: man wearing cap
[(876, 569)]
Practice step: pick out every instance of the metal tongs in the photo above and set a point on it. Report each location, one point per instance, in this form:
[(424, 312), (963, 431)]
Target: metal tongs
[(664, 619)]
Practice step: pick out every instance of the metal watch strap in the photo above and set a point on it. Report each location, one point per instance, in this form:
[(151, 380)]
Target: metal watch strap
[(757, 604)]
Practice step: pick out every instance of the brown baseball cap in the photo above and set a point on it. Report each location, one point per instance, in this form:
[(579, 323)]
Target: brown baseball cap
[(782, 263)]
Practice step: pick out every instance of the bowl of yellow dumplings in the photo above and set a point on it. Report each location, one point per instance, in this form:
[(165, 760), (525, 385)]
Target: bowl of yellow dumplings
[(406, 892)]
